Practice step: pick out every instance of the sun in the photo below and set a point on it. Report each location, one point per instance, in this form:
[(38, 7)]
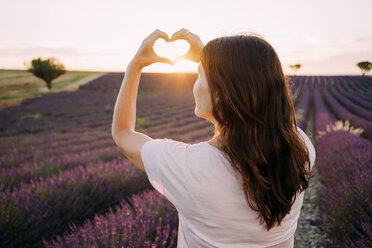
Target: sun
[(172, 50)]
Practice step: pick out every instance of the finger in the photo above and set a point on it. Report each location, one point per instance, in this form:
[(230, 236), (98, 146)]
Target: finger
[(165, 60), (158, 34), (180, 34), (163, 35)]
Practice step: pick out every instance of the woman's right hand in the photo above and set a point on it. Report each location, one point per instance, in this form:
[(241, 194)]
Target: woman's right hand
[(196, 45)]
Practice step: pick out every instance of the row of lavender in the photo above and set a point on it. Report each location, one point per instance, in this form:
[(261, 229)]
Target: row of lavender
[(346, 98), (30, 157), (323, 119), (69, 196), (152, 221), (57, 112), (344, 162), (321, 122), (52, 180), (40, 168)]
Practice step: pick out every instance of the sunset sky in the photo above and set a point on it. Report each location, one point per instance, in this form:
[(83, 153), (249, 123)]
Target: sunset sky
[(327, 37)]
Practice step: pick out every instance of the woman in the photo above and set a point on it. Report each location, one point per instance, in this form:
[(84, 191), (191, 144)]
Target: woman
[(245, 186)]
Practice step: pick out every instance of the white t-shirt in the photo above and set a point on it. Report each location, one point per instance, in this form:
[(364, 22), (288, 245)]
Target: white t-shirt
[(199, 181)]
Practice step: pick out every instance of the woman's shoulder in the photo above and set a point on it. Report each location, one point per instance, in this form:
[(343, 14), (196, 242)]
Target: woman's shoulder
[(177, 148), (310, 146), (201, 145)]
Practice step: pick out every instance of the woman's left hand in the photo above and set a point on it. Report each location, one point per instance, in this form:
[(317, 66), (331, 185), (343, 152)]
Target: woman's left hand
[(146, 55)]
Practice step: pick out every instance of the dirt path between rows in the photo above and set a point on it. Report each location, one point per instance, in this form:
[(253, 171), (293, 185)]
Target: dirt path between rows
[(75, 86)]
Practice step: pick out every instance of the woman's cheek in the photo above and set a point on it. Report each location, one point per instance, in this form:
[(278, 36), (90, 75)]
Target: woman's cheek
[(193, 91), (196, 91)]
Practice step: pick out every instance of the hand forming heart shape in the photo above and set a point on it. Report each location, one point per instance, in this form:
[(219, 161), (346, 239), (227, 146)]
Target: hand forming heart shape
[(171, 49), (146, 55)]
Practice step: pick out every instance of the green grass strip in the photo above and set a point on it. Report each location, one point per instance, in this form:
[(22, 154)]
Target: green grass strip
[(36, 91)]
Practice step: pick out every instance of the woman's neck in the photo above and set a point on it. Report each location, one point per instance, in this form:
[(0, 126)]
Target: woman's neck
[(215, 141)]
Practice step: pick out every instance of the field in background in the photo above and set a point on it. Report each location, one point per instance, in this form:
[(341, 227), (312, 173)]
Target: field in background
[(62, 174), (17, 85)]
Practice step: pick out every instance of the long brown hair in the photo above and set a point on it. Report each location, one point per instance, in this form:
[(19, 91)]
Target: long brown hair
[(251, 101)]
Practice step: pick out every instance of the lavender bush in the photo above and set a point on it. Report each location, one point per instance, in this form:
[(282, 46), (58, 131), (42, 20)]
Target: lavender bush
[(34, 167), (344, 162), (154, 223), (342, 114), (45, 207)]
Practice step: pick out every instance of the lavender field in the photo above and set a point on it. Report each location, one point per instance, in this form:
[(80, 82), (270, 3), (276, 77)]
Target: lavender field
[(64, 183)]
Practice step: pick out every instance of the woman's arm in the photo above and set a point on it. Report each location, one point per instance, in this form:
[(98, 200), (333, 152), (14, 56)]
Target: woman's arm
[(123, 131), (124, 117), (125, 108)]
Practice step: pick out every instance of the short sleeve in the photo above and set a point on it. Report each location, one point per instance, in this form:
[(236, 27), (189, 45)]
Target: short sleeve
[(166, 166), (310, 147)]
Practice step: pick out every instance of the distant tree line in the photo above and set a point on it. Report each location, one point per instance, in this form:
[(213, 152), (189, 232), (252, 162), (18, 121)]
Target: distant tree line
[(364, 66)]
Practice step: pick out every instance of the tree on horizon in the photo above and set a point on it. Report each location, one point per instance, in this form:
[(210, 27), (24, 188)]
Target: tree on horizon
[(48, 69), (295, 67), (364, 66)]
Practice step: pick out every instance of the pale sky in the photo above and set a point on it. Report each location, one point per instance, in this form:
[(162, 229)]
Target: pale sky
[(328, 37)]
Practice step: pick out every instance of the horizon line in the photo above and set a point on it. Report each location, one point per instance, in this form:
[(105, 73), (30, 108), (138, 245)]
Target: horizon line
[(194, 72)]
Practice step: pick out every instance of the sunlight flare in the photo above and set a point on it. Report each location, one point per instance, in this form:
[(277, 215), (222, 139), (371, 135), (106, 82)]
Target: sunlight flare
[(171, 50), (180, 66)]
